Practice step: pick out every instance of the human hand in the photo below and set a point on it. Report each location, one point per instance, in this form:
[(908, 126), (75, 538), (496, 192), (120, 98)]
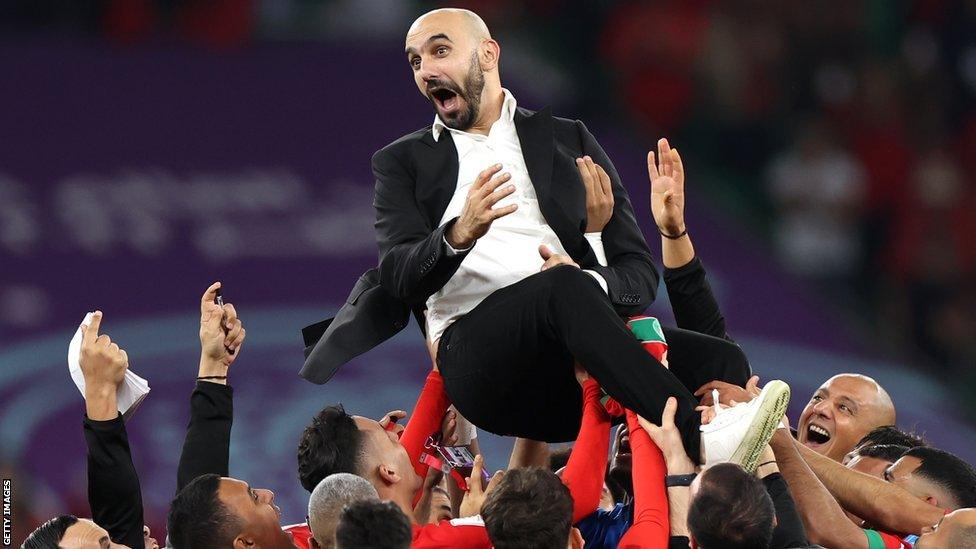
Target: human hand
[(667, 189), (103, 365), (551, 259), (599, 194), (221, 334), (478, 214), (449, 435), (582, 376), (667, 437), (392, 417), (474, 498), (727, 392)]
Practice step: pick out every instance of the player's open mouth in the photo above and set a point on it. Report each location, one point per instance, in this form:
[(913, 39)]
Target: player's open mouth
[(817, 435), (447, 100)]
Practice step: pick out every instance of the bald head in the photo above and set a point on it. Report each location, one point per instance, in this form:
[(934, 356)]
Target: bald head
[(329, 498), (841, 412), (465, 21)]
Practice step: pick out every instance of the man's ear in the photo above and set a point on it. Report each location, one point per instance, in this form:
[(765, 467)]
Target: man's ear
[(243, 541), (488, 54), (388, 475), (575, 539), (932, 500)]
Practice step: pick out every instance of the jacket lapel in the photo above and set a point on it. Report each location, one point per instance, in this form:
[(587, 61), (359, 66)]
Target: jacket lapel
[(437, 173), (535, 137)]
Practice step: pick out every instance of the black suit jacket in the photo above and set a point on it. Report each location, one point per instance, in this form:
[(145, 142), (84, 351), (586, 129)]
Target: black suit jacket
[(416, 177), (114, 494)]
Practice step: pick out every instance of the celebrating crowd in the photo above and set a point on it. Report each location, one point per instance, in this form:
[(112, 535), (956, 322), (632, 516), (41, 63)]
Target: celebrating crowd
[(677, 442)]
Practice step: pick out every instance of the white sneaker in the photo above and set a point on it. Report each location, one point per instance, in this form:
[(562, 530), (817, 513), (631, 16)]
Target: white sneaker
[(740, 433)]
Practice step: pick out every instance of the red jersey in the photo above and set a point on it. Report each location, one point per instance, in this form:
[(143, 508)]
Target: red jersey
[(301, 534), (466, 533)]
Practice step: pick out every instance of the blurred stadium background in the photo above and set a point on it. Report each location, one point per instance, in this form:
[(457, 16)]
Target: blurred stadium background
[(149, 147)]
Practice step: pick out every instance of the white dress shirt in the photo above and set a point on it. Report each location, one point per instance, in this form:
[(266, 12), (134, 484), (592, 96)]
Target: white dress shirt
[(509, 251)]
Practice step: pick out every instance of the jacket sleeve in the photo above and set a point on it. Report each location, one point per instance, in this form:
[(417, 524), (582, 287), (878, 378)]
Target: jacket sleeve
[(414, 260), (206, 448), (114, 494), (692, 300), (789, 530), (631, 276)]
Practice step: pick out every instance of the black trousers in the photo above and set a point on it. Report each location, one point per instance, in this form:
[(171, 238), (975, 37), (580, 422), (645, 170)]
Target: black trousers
[(508, 364)]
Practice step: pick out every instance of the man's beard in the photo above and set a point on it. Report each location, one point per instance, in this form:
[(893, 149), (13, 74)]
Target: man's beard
[(474, 84)]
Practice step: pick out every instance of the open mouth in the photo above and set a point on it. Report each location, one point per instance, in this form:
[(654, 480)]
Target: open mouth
[(446, 99), (817, 435)]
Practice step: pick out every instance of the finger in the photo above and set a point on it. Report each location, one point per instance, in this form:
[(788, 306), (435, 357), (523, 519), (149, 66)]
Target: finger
[(495, 213), (474, 482), (545, 252), (103, 340), (496, 479), (493, 185), (497, 195), (585, 176), (605, 182), (210, 296), (706, 388), (91, 332), (125, 357), (233, 332), (753, 383), (486, 175), (230, 315), (678, 167), (670, 409), (664, 152), (652, 166), (114, 347), (238, 341)]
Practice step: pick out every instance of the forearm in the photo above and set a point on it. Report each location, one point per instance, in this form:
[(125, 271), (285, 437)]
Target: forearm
[(587, 465), (529, 453), (678, 499), (206, 448), (101, 402), (650, 527), (428, 413), (880, 503), (676, 252), (114, 494), (822, 517), (694, 305)]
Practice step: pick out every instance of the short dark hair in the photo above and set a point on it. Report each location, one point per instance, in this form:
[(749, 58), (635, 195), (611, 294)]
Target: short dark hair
[(530, 508), (331, 443), (49, 534), (731, 510), (889, 434), (372, 524), (198, 520), (887, 452), (948, 471)]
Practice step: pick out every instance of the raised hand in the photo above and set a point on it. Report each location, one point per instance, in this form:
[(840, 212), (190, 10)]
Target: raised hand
[(474, 498), (668, 439), (103, 364), (478, 212), (393, 416), (599, 194), (221, 334), (667, 189)]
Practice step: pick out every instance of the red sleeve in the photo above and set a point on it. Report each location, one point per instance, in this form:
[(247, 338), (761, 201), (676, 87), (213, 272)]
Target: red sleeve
[(448, 535), (587, 465), (651, 528), (425, 420)]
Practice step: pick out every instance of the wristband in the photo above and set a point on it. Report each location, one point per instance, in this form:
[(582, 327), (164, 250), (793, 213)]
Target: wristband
[(773, 462), (211, 377), (679, 480), (675, 237)]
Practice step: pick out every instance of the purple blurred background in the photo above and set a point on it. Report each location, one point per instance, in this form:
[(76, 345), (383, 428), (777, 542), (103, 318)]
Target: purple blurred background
[(149, 148)]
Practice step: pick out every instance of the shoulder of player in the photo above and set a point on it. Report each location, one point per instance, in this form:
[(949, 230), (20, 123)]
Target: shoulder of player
[(401, 146)]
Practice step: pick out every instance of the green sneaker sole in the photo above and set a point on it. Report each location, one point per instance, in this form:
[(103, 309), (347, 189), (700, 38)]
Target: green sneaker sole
[(763, 426)]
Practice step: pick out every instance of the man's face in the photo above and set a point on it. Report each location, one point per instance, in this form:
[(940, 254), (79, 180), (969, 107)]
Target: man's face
[(940, 535), (838, 415), (85, 534), (869, 465), (385, 448), (256, 510), (443, 54)]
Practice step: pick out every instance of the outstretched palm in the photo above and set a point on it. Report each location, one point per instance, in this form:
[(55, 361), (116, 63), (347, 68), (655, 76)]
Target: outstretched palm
[(667, 188)]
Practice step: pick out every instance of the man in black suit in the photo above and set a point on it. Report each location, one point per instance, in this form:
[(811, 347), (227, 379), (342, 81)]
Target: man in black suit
[(481, 224)]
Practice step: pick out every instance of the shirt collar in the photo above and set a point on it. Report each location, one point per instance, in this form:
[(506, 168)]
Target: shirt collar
[(508, 113)]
